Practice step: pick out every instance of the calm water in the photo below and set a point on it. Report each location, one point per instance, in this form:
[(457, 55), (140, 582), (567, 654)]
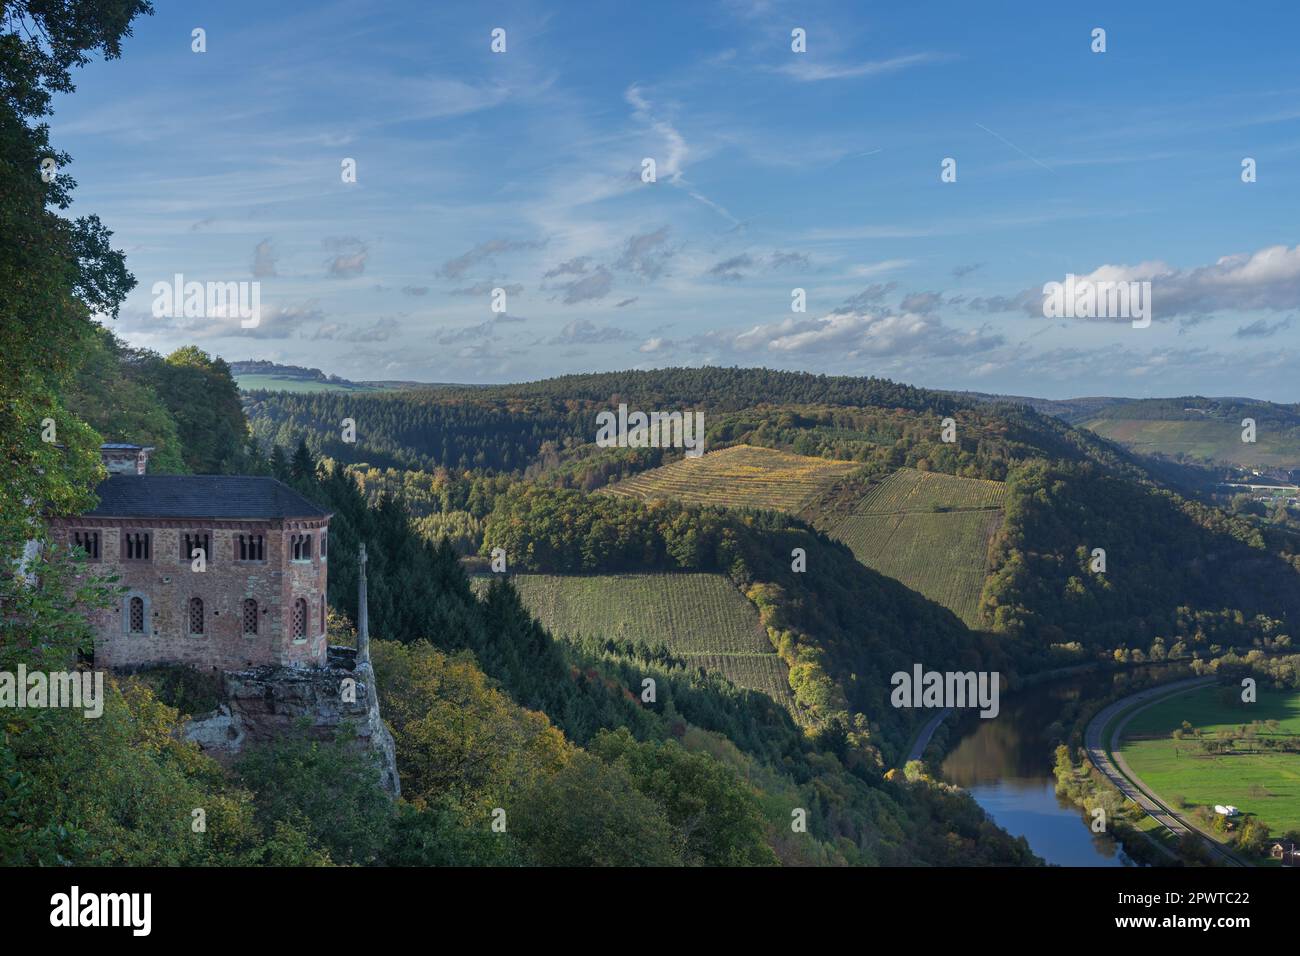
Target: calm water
[(1006, 764)]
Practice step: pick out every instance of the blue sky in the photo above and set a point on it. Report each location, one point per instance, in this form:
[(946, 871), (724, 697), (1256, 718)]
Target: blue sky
[(776, 170)]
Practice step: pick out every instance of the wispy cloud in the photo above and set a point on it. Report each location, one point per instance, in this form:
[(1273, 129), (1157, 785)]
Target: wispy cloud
[(484, 252), (807, 70)]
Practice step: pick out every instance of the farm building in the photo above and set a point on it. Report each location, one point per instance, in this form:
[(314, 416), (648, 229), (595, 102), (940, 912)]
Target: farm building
[(1288, 853)]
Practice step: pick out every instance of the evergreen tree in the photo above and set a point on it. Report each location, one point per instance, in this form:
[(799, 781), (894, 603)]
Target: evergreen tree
[(279, 463), (303, 465)]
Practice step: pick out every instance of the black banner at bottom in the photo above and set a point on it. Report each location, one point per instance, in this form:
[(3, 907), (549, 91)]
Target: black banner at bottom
[(144, 906)]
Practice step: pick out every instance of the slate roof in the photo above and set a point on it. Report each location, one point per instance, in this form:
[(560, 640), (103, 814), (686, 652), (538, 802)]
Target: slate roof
[(200, 496)]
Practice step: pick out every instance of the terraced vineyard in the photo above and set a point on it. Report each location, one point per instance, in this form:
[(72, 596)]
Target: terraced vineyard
[(909, 490), (742, 476), (931, 532), (699, 617), (940, 555)]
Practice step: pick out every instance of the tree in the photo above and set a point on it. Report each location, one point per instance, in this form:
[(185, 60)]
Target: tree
[(459, 740), (591, 814), (113, 394), (202, 396), (326, 788), (120, 790), (717, 818), (279, 463), (55, 272), (302, 466)]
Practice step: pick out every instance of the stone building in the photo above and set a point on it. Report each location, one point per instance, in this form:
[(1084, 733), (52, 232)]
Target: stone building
[(123, 459), (221, 571)]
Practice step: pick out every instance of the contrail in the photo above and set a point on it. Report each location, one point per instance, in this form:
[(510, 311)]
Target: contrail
[(1015, 147)]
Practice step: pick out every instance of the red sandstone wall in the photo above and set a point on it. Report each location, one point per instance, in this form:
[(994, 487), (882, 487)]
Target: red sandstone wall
[(169, 583)]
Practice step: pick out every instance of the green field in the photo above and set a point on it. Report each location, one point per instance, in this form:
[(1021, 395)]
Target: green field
[(1208, 438), (699, 617), (288, 383), (1261, 784), (742, 476)]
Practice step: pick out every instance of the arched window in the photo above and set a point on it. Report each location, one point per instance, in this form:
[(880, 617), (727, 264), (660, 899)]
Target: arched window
[(300, 619), (322, 614), (196, 615), (199, 540), (250, 547), (88, 541), (135, 615), (250, 618), (135, 545)]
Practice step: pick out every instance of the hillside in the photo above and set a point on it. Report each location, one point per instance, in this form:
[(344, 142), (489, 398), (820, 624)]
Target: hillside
[(1204, 430), (929, 531), (1067, 491), (254, 375), (742, 476), (260, 375), (1192, 428), (700, 618)]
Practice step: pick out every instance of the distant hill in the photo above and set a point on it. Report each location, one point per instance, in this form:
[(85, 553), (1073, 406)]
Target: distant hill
[(256, 375), (1204, 430), (264, 376), (1191, 428), (1069, 409)]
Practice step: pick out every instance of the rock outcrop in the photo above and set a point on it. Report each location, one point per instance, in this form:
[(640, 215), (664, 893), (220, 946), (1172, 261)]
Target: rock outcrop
[(263, 704)]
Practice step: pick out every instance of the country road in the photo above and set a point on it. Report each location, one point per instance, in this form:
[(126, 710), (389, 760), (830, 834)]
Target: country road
[(1123, 777), (923, 738)]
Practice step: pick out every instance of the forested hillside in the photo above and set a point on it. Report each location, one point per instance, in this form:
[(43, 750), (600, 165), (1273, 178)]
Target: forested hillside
[(1180, 573), (588, 690)]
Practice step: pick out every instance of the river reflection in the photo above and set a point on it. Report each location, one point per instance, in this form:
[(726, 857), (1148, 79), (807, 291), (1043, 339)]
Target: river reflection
[(1006, 764)]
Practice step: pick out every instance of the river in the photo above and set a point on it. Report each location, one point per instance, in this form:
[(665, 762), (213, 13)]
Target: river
[(1006, 765)]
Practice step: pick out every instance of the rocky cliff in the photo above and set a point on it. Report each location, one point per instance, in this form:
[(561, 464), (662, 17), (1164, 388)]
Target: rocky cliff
[(266, 703)]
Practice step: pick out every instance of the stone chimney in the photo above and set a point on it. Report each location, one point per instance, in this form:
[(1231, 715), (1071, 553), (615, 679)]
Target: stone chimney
[(124, 459)]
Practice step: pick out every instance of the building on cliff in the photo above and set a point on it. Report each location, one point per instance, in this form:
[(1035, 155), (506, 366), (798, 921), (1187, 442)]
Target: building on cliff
[(221, 571), (228, 573)]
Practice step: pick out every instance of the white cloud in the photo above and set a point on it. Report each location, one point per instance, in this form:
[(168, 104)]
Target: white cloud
[(879, 268), (1267, 279), (810, 71), (854, 334)]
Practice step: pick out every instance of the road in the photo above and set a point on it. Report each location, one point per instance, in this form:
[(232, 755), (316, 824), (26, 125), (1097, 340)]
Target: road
[(1122, 776), (923, 738)]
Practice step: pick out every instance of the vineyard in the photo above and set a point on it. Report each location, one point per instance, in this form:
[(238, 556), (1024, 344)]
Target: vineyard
[(940, 555), (742, 476), (909, 490), (931, 532), (699, 617)]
